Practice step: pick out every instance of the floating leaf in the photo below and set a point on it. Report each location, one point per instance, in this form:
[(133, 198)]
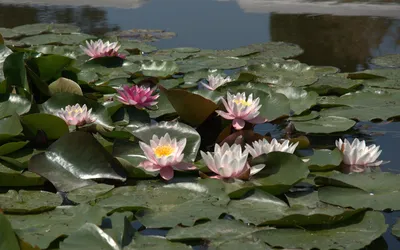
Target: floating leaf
[(73, 160), (324, 125), (56, 39), (396, 229), (158, 68), (334, 84), (210, 62), (8, 239), (387, 60), (134, 46), (88, 193), (42, 229), (10, 147), (15, 72), (300, 100), (24, 202), (141, 34), (275, 49), (375, 190), (324, 159), (53, 126), (342, 237), (282, 171), (39, 28), (65, 85), (9, 127), (154, 242), (14, 178), (4, 53), (11, 103)]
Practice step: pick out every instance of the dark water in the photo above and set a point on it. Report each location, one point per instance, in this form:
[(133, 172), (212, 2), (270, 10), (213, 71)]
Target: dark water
[(347, 42)]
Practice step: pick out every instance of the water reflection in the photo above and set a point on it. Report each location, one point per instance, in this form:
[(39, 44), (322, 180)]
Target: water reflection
[(344, 42), (94, 3)]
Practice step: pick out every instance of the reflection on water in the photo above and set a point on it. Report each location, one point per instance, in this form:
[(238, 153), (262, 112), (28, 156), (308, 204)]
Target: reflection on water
[(345, 42)]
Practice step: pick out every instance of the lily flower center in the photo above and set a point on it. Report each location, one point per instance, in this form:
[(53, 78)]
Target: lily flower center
[(242, 102), (165, 150)]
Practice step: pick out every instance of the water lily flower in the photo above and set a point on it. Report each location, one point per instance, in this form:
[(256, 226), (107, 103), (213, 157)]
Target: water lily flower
[(76, 115), (239, 109), (215, 81), (96, 49), (164, 154), (359, 154), (227, 162), (264, 147), (138, 96)]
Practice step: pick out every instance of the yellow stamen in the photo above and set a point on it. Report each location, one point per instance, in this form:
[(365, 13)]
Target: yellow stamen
[(165, 150), (242, 102)]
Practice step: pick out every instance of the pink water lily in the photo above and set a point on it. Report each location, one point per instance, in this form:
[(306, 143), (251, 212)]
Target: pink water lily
[(227, 162), (164, 154), (264, 147), (239, 109), (96, 49), (215, 81), (138, 96), (358, 154), (76, 115)]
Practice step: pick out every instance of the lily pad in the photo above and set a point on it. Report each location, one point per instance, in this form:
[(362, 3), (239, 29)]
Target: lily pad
[(304, 210), (324, 125), (9, 33), (11, 103), (396, 229), (376, 190), (56, 39), (88, 193), (8, 239), (300, 100), (158, 68), (74, 159), (16, 178), (175, 130), (282, 171), (42, 229), (335, 84), (39, 28), (135, 46), (210, 62), (324, 159), (65, 85), (14, 70), (276, 49), (387, 60), (89, 237), (10, 147), (53, 126), (154, 243), (145, 35), (9, 127), (24, 202), (4, 53), (342, 237)]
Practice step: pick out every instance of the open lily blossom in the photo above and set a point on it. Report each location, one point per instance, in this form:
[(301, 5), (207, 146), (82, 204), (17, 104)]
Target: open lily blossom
[(76, 115), (215, 81), (96, 49), (264, 147), (164, 154), (241, 110), (138, 96), (227, 162), (359, 154)]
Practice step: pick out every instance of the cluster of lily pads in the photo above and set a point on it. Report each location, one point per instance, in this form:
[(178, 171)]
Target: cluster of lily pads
[(103, 141)]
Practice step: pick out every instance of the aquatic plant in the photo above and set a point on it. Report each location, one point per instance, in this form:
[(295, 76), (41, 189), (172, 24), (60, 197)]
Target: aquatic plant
[(76, 115), (138, 96), (215, 81), (97, 49)]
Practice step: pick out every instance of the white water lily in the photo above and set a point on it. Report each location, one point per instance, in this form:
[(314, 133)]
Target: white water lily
[(358, 153), (164, 154), (76, 115), (241, 109), (216, 81), (264, 147), (227, 162)]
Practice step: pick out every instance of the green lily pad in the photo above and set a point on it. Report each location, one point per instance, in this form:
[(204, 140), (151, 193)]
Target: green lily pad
[(11, 103), (24, 202), (305, 209), (324, 125), (61, 100), (342, 237), (10, 147), (8, 239), (387, 61), (56, 39), (282, 171), (335, 84), (146, 35), (88, 193), (381, 78), (39, 28), (41, 229), (396, 229), (9, 127), (154, 243), (307, 117), (284, 74), (210, 62), (324, 159), (74, 159), (276, 49), (220, 233), (4, 53), (171, 83), (158, 68), (51, 66), (191, 201), (9, 33), (377, 190), (53, 126), (175, 130), (192, 108), (135, 46), (16, 178), (89, 237), (299, 99), (65, 85), (15, 72), (68, 51)]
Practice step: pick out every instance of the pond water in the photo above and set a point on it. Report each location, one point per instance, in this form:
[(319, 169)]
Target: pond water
[(345, 41)]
